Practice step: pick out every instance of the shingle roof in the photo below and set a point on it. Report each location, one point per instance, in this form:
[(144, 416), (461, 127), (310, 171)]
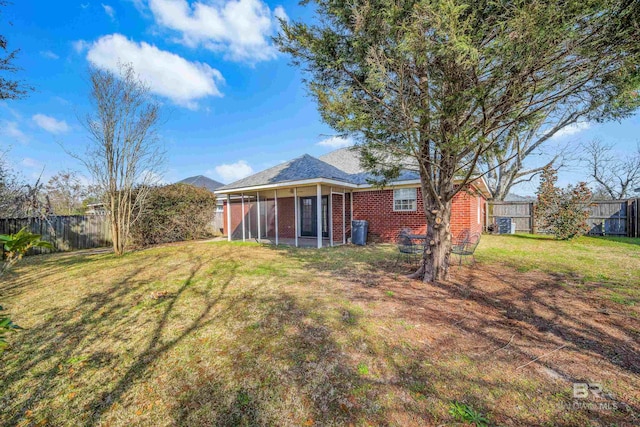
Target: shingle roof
[(348, 160), (342, 165), (202, 181), (303, 167)]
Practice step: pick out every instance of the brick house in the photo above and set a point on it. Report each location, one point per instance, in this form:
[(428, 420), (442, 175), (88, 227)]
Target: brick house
[(283, 204)]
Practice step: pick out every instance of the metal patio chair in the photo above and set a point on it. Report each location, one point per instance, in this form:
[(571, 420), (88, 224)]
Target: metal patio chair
[(466, 248), (407, 249), (461, 238)]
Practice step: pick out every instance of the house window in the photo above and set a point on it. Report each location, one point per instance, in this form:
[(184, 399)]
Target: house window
[(404, 199)]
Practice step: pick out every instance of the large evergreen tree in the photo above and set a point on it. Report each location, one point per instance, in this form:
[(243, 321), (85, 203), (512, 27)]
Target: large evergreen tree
[(439, 82)]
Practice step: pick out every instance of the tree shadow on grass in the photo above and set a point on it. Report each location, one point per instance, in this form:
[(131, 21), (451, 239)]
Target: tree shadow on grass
[(516, 310), (56, 348), (156, 346), (292, 371)]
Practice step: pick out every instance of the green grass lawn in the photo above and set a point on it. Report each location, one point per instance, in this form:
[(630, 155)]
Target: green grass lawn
[(611, 263), (217, 333)]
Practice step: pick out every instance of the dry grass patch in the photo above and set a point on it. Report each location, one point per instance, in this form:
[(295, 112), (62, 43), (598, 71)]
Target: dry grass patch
[(241, 334)]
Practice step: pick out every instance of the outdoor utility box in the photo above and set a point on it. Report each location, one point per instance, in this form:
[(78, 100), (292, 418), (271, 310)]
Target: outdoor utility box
[(505, 225), (359, 230)]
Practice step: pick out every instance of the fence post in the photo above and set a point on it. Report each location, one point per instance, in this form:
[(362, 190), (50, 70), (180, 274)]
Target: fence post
[(627, 208), (532, 212), (636, 217)]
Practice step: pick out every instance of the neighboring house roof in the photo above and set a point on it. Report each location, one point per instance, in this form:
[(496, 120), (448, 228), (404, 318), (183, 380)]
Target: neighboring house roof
[(203, 182), (341, 165), (517, 198)]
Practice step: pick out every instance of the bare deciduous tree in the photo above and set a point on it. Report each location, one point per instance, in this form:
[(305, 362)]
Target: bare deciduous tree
[(65, 192), (506, 168), (124, 153), (17, 198), (614, 176)]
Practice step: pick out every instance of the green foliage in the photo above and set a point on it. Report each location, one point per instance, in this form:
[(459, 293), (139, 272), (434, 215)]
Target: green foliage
[(465, 413), (563, 212), (174, 213), (14, 246), (6, 327), (432, 85), (363, 369)]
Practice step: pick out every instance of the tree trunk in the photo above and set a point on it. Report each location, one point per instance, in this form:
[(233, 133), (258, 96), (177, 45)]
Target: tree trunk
[(116, 234), (435, 259)]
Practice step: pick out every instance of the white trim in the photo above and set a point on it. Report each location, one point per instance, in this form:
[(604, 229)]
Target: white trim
[(415, 200), (291, 184), (480, 183), (275, 200), (330, 215), (319, 214), (295, 215), (344, 224), (243, 215), (258, 212), (397, 184), (229, 232)]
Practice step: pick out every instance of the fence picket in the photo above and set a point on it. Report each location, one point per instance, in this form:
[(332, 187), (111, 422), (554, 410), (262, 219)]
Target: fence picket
[(64, 232), (607, 217)]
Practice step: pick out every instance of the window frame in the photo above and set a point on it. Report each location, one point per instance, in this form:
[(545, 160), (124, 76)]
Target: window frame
[(412, 203)]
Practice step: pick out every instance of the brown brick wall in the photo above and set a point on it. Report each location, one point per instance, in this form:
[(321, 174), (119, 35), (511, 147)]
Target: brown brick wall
[(375, 206), (385, 223)]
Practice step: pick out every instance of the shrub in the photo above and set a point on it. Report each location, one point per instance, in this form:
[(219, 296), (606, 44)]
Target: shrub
[(563, 212), (13, 247), (174, 213)]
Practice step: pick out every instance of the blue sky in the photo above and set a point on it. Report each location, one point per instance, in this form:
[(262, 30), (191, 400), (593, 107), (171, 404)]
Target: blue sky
[(234, 105)]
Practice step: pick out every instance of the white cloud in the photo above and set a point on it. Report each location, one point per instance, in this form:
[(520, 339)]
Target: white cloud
[(109, 11), (279, 12), (166, 73), (232, 171), (572, 130), (28, 162), (149, 177), (240, 28), (61, 100), (140, 6), (336, 142), (12, 130), (49, 54), (50, 124), (80, 46), (84, 5), (16, 115)]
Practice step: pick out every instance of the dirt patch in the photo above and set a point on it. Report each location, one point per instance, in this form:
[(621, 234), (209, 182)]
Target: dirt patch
[(524, 326)]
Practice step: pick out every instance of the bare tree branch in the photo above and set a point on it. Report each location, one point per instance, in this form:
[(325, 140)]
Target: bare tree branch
[(124, 155)]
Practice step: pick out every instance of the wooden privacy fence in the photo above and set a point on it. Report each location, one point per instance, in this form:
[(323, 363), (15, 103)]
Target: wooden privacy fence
[(64, 232), (606, 217)]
